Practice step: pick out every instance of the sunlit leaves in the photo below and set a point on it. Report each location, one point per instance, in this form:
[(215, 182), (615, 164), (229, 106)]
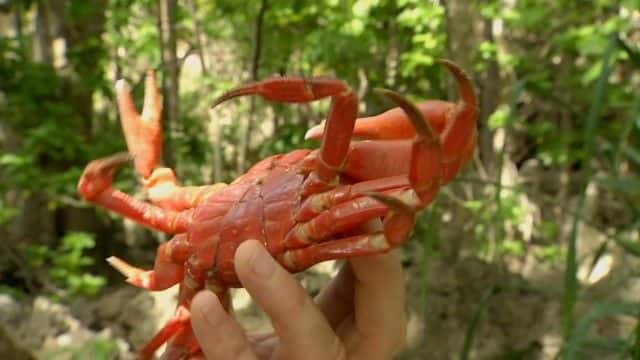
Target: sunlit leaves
[(68, 264), (499, 118)]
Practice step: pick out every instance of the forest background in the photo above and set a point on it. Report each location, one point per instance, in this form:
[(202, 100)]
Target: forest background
[(532, 252)]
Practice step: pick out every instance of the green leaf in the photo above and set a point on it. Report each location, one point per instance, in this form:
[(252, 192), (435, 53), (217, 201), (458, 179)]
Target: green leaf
[(499, 118), (473, 205)]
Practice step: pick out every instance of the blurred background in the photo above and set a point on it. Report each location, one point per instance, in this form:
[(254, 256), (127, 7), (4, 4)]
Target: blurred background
[(531, 253)]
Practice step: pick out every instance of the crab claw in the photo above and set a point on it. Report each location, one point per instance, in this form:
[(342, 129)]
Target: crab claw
[(142, 132), (98, 175)]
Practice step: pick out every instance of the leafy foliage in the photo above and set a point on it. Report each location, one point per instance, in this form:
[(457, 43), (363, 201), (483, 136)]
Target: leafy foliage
[(69, 264)]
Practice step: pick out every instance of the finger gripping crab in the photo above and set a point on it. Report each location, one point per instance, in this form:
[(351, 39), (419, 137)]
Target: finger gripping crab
[(305, 206)]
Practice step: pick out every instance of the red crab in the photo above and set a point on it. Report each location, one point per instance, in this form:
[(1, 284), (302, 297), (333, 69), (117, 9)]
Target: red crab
[(305, 206)]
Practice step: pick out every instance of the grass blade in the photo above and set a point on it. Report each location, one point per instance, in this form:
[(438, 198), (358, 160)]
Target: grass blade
[(570, 279), (475, 322), (578, 338)]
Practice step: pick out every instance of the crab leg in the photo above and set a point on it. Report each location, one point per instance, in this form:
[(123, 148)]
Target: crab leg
[(455, 122), (314, 205), (177, 332), (425, 170), (95, 186), (167, 271), (459, 137), (400, 205), (341, 118), (173, 328)]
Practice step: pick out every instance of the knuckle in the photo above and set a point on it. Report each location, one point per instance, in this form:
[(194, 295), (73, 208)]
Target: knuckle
[(241, 351), (398, 340), (297, 301), (340, 352)]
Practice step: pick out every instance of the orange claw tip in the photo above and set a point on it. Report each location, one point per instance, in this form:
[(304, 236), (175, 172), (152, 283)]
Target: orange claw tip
[(465, 84), (391, 202), (315, 133), (140, 281), (105, 165), (124, 268), (414, 115), (233, 93), (122, 85), (118, 159)]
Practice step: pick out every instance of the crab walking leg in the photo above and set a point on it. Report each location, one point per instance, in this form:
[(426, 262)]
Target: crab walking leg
[(95, 185), (425, 174), (340, 121), (316, 204), (343, 248), (184, 343), (425, 168), (459, 137), (177, 332), (400, 205), (178, 323), (456, 122), (338, 219), (168, 268)]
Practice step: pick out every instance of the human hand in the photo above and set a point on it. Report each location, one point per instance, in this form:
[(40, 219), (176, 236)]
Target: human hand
[(359, 315)]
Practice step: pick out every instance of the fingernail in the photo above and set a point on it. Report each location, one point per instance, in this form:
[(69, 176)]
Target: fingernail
[(261, 262)]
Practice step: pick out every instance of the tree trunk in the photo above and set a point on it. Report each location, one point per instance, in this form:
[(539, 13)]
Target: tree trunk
[(246, 129), (489, 98), (461, 36), (214, 124), (42, 39), (170, 80), (17, 25)]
